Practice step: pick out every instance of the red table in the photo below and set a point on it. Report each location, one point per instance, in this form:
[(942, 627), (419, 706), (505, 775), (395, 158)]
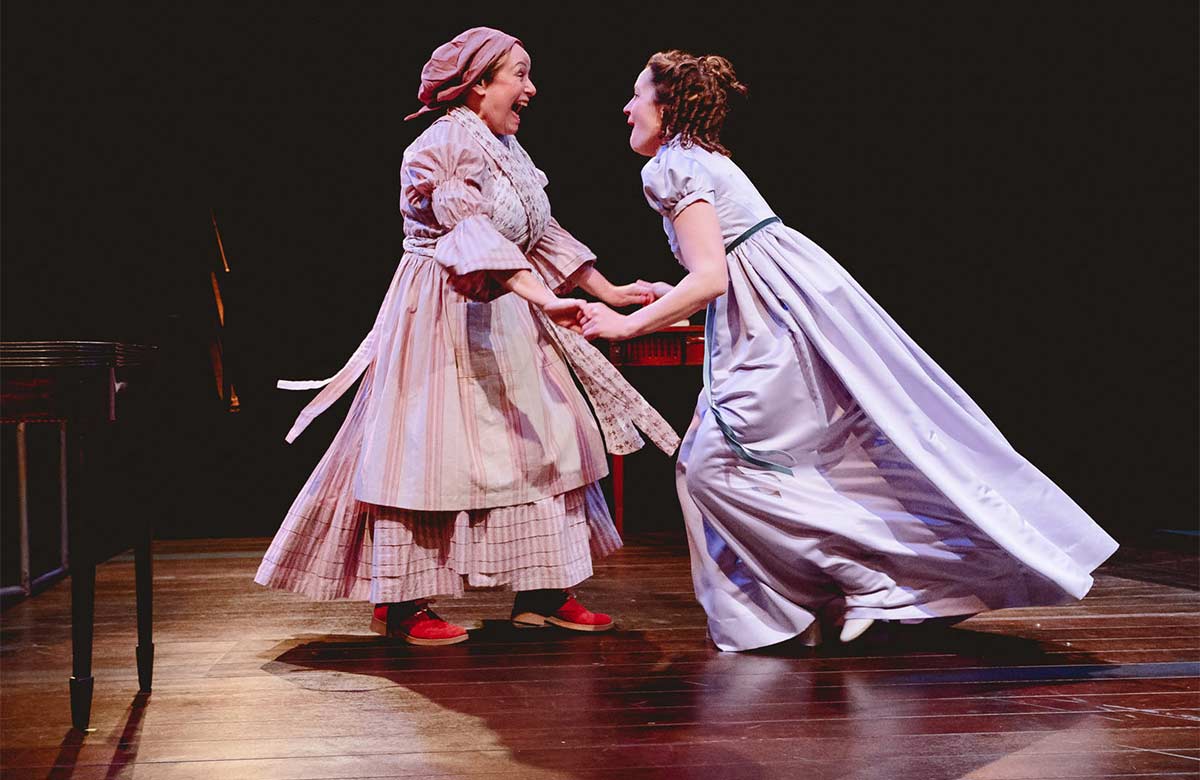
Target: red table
[(679, 345)]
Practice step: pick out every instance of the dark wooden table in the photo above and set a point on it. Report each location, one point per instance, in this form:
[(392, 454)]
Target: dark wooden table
[(76, 384)]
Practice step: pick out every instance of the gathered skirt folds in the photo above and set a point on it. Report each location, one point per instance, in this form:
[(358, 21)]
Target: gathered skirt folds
[(833, 468), (333, 546)]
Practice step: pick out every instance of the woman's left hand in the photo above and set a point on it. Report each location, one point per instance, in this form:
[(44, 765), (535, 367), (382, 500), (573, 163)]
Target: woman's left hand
[(601, 322), (637, 293), (565, 312)]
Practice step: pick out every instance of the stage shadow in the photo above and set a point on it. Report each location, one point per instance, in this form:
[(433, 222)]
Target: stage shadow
[(124, 753), (68, 755), (559, 704), (937, 635), (567, 705)]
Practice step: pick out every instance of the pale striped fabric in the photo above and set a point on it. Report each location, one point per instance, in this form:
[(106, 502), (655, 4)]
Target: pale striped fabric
[(468, 455), (333, 546)]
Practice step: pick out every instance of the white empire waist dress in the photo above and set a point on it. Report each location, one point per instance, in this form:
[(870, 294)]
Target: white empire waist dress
[(833, 465)]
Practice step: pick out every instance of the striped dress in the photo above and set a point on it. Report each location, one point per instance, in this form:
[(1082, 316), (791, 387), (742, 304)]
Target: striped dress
[(468, 456)]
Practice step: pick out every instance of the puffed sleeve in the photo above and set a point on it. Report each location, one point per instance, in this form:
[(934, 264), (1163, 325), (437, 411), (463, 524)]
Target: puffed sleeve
[(451, 171), (674, 179), (559, 257)]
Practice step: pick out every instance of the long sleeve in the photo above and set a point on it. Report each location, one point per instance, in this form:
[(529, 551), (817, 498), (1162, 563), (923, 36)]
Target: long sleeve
[(559, 257), (450, 176)]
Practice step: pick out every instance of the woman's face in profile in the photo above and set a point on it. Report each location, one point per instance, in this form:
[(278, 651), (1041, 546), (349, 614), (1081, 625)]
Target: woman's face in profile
[(499, 102), (644, 115)]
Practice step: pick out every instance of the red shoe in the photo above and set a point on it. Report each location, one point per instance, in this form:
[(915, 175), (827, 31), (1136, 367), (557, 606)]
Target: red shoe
[(422, 627), (570, 614)]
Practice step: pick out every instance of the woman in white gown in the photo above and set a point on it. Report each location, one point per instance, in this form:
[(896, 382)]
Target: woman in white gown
[(832, 467)]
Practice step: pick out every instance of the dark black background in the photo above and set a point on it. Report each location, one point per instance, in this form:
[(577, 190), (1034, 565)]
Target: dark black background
[(1015, 182)]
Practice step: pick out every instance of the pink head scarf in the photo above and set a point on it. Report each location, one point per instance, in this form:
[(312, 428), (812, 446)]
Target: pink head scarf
[(455, 66)]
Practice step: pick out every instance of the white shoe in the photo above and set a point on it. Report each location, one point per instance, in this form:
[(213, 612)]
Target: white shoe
[(811, 636), (854, 628)]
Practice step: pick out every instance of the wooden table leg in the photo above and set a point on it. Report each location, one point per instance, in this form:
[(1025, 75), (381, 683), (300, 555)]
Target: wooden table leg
[(83, 599), (83, 586), (144, 573), (618, 476)]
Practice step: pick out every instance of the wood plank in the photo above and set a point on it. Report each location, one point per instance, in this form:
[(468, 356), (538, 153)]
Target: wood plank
[(254, 683)]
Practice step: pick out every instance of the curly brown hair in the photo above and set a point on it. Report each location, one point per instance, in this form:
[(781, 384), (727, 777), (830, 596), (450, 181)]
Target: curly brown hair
[(694, 93)]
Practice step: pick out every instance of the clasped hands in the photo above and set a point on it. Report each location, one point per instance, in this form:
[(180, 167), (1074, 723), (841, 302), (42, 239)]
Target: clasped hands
[(598, 320)]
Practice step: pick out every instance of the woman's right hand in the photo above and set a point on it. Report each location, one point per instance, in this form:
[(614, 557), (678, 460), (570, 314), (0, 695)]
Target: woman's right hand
[(565, 312), (601, 322), (637, 293), (659, 289)]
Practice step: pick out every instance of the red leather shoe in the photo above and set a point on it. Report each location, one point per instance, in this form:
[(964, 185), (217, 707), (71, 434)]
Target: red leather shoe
[(422, 627), (570, 614)]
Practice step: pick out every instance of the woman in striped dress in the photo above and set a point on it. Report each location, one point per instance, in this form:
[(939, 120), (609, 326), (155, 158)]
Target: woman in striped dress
[(832, 468), (468, 457)]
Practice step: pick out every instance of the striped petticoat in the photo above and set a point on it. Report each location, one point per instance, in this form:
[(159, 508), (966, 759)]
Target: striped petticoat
[(383, 554), (332, 546)]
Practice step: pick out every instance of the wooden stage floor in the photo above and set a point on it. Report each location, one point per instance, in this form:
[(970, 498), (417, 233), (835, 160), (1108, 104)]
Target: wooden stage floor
[(256, 684)]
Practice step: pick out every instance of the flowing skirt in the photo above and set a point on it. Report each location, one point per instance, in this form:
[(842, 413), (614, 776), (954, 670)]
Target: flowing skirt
[(467, 458), (844, 471), (333, 546)]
